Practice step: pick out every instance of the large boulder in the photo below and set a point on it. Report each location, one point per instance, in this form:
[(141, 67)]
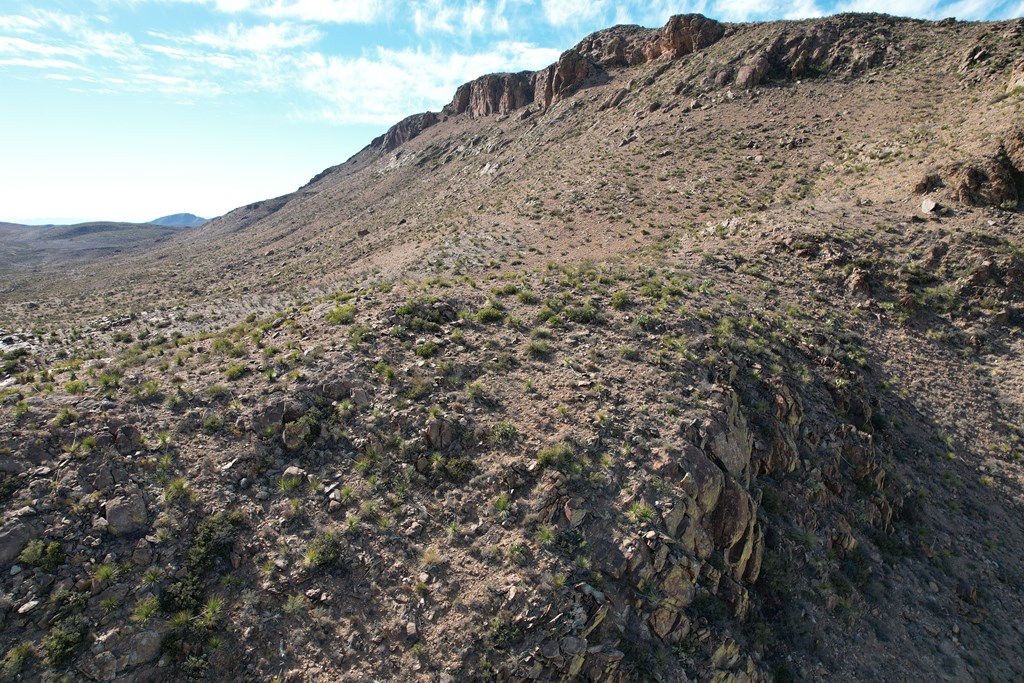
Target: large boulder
[(126, 514)]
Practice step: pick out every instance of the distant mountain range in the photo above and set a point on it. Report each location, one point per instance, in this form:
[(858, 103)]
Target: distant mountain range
[(179, 220), (29, 246)]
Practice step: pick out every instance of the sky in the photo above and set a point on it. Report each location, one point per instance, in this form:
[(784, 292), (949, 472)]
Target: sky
[(133, 109)]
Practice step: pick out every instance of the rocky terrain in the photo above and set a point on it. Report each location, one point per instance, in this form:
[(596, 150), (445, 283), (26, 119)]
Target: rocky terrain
[(27, 247), (696, 356)]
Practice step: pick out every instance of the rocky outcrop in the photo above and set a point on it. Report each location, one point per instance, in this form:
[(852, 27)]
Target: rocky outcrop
[(126, 514), (405, 130), (992, 181), (683, 35), (564, 77), (583, 65), (839, 44), (494, 94)]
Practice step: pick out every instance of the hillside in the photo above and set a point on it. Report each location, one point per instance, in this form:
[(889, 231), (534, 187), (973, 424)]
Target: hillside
[(29, 247), (179, 220), (694, 356)]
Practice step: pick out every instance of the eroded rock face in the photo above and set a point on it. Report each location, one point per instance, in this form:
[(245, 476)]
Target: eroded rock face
[(494, 94), (499, 94), (993, 181), (683, 35), (405, 130), (563, 78)]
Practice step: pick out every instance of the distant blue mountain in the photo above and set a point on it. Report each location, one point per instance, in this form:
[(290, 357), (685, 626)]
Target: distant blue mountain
[(179, 220)]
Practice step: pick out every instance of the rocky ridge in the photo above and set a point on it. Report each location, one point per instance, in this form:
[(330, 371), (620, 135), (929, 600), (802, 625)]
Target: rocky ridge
[(669, 380)]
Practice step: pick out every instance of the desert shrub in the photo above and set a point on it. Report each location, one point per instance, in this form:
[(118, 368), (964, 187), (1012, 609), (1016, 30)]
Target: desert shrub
[(342, 315), (324, 550), (427, 349), (538, 348), (490, 315), (46, 556)]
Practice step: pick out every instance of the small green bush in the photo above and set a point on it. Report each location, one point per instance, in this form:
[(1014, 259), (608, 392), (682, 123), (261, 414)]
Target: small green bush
[(490, 315), (538, 348), (427, 349), (236, 371), (342, 315), (324, 550), (46, 556)]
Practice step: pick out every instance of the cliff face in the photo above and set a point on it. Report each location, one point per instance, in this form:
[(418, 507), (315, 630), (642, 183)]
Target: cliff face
[(405, 130), (494, 94), (583, 65)]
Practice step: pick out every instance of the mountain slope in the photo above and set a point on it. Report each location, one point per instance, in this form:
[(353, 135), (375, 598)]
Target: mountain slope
[(696, 355), (29, 246)]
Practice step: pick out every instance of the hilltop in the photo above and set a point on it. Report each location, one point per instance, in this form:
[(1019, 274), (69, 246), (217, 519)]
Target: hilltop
[(696, 355), (179, 220)]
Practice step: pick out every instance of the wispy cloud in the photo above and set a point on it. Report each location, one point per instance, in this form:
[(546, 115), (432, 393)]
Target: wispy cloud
[(388, 84), (574, 12), (313, 11), (466, 18), (44, 63), (266, 38)]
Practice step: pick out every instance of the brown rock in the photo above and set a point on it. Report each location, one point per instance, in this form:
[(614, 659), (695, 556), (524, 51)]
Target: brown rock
[(294, 434), (732, 515), (683, 35), (103, 667), (127, 440), (753, 71), (990, 181), (13, 540), (678, 587), (405, 130), (127, 514), (703, 481), (494, 94), (144, 647), (730, 441), (663, 621), (563, 78)]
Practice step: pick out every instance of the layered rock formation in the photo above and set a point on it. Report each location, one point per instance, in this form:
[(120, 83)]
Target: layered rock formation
[(583, 65), (405, 130)]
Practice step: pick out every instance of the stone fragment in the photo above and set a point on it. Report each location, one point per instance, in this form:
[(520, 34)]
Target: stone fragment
[(678, 587), (144, 647), (102, 667), (127, 514), (13, 541)]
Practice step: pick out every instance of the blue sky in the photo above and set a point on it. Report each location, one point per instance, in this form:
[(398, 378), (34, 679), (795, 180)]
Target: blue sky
[(132, 109)]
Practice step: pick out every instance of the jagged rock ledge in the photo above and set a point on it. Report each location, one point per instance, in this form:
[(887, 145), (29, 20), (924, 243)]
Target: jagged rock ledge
[(584, 64)]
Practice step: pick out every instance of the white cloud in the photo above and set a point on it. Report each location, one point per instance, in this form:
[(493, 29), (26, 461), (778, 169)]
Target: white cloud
[(267, 38), (19, 24), (433, 15), (314, 11), (466, 19), (573, 12), (900, 8), (969, 9), (21, 46), (338, 11), (474, 16), (389, 84), (44, 63)]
